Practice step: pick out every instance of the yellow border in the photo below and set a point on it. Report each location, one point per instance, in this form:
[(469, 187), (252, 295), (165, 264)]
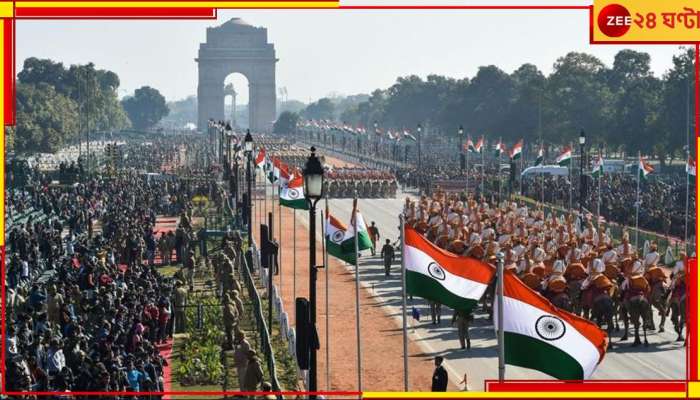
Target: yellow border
[(179, 4)]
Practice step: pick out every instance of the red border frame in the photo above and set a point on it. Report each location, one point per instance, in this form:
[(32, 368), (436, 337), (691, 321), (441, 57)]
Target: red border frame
[(211, 13)]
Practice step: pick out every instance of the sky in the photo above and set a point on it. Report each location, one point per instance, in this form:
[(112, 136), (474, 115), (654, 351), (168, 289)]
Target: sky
[(324, 52)]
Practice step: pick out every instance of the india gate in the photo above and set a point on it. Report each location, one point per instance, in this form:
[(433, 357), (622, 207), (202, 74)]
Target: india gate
[(237, 46)]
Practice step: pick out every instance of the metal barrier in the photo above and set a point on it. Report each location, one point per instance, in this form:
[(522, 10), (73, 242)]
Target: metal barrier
[(263, 331)]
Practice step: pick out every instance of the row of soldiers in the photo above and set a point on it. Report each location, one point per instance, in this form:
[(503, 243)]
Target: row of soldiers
[(368, 183), (567, 259)]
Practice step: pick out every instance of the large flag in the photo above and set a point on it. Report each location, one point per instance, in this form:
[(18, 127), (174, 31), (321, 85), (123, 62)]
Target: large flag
[(435, 274), (564, 158), (540, 156), (363, 240), (292, 194), (644, 168), (690, 166), (517, 150), (407, 135), (500, 148), (540, 336), (597, 170), (335, 235), (260, 159), (284, 174)]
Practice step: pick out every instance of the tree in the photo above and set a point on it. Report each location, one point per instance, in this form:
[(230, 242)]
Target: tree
[(46, 119), (286, 123), (678, 103), (322, 109), (145, 108)]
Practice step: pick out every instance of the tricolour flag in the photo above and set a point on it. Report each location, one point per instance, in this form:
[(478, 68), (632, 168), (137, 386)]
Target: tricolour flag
[(363, 240), (540, 336), (540, 156), (479, 145), (435, 274), (564, 158), (644, 168), (407, 135), (335, 235), (292, 194), (597, 170), (690, 166), (500, 148), (260, 159), (517, 150), (470, 145)]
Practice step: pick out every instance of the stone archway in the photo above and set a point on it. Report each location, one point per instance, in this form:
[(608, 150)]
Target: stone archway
[(237, 46)]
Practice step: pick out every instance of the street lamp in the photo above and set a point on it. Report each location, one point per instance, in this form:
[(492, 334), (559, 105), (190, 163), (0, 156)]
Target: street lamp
[(419, 130), (249, 178), (313, 192), (582, 143), (228, 133)]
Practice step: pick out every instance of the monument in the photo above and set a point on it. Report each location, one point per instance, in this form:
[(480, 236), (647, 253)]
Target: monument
[(237, 46)]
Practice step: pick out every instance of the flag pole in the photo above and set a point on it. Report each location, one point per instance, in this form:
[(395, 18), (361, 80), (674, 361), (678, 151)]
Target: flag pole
[(571, 193), (600, 184), (325, 265), (279, 256), (468, 173), (501, 344), (636, 223), (498, 171), (403, 304), (483, 171), (357, 293), (294, 260)]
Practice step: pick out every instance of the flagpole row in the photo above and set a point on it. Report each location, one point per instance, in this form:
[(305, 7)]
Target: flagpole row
[(403, 305)]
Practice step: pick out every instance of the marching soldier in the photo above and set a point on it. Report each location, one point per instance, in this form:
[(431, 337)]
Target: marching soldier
[(230, 320), (462, 319)]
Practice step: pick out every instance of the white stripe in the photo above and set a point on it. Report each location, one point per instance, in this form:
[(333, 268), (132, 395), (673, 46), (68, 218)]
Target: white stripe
[(521, 317), (418, 261)]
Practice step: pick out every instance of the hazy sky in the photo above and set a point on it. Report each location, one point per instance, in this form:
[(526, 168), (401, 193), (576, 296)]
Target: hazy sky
[(327, 51)]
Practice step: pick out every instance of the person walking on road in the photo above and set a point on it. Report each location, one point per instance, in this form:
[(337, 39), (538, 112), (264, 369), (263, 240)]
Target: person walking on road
[(373, 236), (435, 312), (389, 256), (462, 319), (439, 376)]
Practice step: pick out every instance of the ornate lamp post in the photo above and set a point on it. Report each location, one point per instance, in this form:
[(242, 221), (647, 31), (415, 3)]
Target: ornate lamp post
[(313, 192)]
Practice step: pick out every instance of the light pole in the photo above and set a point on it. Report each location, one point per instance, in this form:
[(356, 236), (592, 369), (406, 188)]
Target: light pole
[(249, 178), (313, 192), (582, 143), (419, 130), (376, 137), (228, 132), (460, 133)]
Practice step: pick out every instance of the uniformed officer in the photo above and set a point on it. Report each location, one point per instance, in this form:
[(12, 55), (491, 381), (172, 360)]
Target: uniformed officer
[(230, 320), (462, 319), (180, 302)]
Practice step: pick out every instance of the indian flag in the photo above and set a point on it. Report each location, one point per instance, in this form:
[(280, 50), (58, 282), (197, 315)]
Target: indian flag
[(292, 194), (644, 168), (260, 159), (517, 150), (363, 240), (500, 148), (435, 274), (597, 170), (690, 166), (540, 156), (335, 235), (564, 158), (470, 145), (407, 135), (479, 145), (540, 336)]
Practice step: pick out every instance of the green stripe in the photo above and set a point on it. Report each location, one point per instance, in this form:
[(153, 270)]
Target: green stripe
[(336, 250), (565, 162), (528, 352), (363, 242), (299, 204), (428, 288)]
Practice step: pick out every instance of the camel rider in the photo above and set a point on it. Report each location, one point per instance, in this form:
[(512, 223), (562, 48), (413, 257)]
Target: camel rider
[(652, 257), (610, 255), (626, 250), (678, 277), (538, 256), (597, 281), (556, 283), (635, 284)]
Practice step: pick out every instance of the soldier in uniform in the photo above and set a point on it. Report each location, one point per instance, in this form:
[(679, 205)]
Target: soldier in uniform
[(240, 356), (462, 319), (189, 267), (180, 301), (435, 312), (253, 373), (230, 320)]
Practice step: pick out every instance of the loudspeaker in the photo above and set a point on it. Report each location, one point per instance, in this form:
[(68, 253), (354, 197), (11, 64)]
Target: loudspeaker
[(302, 332)]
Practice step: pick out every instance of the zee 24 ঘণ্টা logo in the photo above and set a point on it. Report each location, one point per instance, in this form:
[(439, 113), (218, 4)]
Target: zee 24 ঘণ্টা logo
[(647, 21)]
